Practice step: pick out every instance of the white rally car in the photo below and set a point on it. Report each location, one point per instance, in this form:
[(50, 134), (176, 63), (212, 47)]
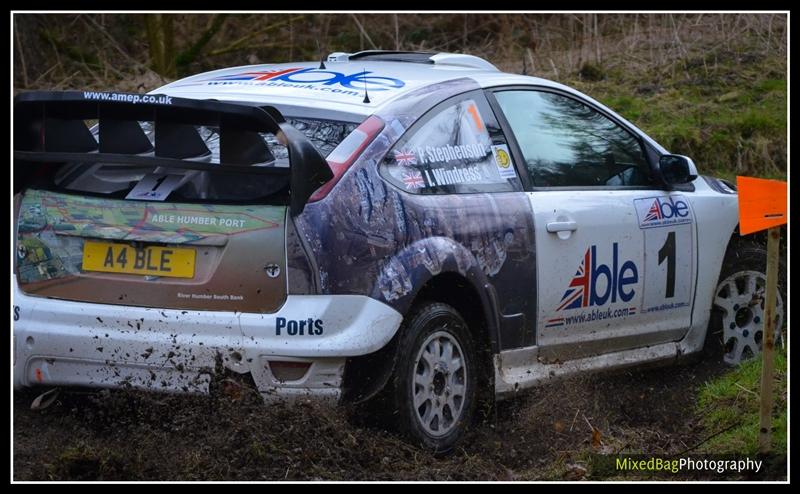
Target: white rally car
[(414, 226)]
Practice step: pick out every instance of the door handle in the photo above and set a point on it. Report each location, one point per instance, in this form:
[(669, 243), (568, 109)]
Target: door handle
[(562, 226)]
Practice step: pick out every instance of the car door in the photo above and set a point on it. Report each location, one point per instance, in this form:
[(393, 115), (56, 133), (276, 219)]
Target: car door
[(462, 198), (615, 256)]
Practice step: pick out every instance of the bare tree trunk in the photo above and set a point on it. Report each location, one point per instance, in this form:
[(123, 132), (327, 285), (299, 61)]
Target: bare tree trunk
[(186, 57), (169, 45), (571, 42), (586, 43), (650, 37), (21, 53), (161, 43), (464, 35), (597, 40)]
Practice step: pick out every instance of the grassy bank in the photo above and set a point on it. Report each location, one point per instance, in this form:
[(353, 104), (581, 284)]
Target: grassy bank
[(724, 109), (729, 407)]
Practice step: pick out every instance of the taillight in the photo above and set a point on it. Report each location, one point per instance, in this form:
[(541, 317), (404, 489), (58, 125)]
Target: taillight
[(347, 151)]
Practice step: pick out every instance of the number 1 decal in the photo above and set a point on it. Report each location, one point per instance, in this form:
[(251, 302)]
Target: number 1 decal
[(669, 271), (667, 223), (667, 252)]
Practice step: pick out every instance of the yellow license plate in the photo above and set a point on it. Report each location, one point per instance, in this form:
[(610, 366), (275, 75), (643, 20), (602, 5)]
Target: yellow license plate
[(110, 257)]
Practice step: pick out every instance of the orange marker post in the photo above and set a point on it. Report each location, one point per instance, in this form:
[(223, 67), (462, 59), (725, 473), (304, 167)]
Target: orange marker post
[(762, 205)]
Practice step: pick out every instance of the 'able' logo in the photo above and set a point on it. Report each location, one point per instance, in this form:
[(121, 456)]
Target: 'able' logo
[(583, 288)]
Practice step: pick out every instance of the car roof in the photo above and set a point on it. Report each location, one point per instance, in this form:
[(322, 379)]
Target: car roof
[(340, 85), (337, 88)]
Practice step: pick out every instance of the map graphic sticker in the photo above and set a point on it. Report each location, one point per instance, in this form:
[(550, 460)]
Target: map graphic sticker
[(52, 227), (140, 220)]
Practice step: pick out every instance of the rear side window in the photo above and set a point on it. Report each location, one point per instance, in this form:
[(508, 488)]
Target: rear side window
[(457, 147), (324, 134), (567, 143)]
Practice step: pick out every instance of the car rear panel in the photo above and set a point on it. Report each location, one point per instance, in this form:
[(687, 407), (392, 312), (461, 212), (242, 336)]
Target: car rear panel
[(238, 250)]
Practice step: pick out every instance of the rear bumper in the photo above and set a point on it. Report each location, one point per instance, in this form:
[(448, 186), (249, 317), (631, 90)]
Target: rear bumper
[(67, 343)]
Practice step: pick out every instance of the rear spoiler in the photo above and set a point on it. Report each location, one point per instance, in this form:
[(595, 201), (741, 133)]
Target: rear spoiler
[(51, 127)]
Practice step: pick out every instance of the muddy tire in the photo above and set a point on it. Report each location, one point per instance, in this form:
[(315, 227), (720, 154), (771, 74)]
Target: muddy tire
[(434, 385), (736, 330)]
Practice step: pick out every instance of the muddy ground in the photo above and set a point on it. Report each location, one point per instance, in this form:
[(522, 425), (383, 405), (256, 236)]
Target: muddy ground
[(549, 433)]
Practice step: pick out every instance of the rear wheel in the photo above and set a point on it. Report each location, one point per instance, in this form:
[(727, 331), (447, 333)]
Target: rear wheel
[(436, 378), (739, 302)]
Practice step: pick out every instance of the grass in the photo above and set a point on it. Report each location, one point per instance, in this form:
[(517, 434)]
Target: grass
[(732, 402), (87, 462)]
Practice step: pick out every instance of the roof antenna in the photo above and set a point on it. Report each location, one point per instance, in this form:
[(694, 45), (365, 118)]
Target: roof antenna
[(524, 65), (366, 95), (321, 57)]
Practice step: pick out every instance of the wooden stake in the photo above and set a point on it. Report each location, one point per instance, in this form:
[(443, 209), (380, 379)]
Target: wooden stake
[(768, 339)]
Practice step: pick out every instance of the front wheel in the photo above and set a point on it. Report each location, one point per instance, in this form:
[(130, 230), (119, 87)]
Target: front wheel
[(436, 377), (739, 299)]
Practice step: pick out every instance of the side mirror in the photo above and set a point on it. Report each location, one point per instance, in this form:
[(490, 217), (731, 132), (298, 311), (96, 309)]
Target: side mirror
[(677, 169)]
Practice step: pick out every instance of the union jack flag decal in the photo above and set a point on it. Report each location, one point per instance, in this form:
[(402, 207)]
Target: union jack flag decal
[(577, 295), (413, 180), (405, 158), (263, 75), (654, 213)]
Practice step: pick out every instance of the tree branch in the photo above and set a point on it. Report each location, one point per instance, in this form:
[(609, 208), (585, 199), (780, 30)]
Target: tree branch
[(236, 44), (88, 19), (363, 31), (189, 55)]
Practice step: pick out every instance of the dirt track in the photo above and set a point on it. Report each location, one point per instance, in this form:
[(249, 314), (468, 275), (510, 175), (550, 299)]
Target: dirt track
[(542, 435)]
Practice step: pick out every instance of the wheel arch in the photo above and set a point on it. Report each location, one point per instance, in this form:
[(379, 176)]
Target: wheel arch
[(695, 339), (719, 219), (367, 375)]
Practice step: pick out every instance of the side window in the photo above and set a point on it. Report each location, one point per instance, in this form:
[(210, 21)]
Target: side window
[(457, 147), (567, 143)]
